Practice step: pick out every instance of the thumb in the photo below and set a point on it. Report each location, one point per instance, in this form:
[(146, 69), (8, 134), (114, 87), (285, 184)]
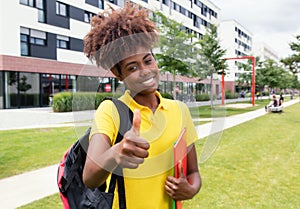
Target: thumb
[(136, 122), (181, 171)]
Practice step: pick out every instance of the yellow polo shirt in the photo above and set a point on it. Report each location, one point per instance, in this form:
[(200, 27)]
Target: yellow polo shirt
[(144, 186)]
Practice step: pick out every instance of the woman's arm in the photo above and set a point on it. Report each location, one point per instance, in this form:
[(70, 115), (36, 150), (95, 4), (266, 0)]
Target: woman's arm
[(102, 158), (185, 187), (99, 161)]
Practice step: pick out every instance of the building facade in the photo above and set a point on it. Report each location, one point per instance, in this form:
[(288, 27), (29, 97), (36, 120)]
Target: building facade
[(41, 47), (265, 52), (237, 41)]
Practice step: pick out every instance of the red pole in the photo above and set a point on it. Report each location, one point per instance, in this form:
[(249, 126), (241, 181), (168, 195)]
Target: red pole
[(223, 88), (253, 81), (67, 83)]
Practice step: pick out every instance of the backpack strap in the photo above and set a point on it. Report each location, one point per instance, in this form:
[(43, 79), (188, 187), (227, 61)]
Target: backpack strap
[(126, 117)]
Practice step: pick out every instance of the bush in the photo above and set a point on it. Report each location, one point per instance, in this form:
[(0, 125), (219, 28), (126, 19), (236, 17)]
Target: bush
[(202, 97), (167, 95), (229, 95), (62, 102), (67, 101)]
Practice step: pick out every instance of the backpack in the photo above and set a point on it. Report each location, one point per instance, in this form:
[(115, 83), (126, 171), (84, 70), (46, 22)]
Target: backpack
[(73, 192)]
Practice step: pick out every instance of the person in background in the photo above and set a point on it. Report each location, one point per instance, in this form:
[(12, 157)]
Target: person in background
[(121, 40), (273, 103), (281, 99)]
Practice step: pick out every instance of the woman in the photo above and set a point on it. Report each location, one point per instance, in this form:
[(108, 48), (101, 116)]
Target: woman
[(121, 41)]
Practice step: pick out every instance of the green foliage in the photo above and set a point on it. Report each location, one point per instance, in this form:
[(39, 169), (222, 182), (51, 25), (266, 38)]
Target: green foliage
[(29, 149), (229, 95), (292, 62), (253, 167), (175, 47), (67, 101), (202, 97), (24, 86), (62, 102), (167, 95), (210, 51), (256, 165), (209, 56), (50, 202)]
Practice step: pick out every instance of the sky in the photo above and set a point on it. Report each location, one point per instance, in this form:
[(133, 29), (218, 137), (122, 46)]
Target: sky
[(274, 22)]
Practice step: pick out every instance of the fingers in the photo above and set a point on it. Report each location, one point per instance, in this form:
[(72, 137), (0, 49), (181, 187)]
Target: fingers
[(133, 149), (181, 171), (136, 122), (131, 162), (134, 133)]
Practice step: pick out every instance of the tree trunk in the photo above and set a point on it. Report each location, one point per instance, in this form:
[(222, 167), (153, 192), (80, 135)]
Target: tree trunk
[(174, 85), (211, 92)]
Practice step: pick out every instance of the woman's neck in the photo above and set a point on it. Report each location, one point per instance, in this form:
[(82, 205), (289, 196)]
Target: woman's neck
[(148, 100)]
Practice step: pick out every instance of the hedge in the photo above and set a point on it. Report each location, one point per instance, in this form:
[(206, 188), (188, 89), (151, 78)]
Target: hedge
[(202, 97), (69, 101)]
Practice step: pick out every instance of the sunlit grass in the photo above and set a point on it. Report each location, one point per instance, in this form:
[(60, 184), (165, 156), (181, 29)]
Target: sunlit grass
[(256, 165), (29, 149)]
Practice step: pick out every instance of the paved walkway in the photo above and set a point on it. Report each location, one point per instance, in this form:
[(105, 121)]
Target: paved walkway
[(30, 186)]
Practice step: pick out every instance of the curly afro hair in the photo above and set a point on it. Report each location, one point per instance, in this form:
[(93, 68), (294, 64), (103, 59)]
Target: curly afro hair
[(117, 33)]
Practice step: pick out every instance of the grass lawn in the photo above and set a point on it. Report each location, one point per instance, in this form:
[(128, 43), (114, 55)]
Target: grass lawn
[(220, 111), (29, 149), (256, 165)]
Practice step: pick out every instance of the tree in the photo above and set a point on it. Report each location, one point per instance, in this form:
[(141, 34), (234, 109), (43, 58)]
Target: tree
[(271, 74), (24, 86), (209, 56), (293, 62), (175, 47)]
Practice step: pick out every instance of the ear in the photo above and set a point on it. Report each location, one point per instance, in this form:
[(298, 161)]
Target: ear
[(115, 71)]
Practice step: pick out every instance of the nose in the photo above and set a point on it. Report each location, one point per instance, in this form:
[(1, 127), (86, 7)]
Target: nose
[(144, 70)]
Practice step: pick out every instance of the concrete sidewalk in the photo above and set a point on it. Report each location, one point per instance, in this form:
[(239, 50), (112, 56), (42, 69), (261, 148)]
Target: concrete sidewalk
[(22, 189), (42, 118)]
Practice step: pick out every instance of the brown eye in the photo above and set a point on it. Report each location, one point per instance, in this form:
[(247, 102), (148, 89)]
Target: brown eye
[(148, 61), (132, 68)]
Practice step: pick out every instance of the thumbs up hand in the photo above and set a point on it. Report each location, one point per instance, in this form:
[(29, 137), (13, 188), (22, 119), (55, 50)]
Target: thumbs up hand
[(132, 150)]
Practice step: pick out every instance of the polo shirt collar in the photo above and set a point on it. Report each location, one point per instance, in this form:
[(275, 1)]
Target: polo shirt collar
[(127, 99)]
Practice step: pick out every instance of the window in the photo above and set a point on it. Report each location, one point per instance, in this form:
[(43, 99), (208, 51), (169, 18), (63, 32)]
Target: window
[(166, 2), (62, 42), (41, 12), (24, 44), (61, 9), (24, 38), (30, 36), (37, 37), (182, 10), (88, 16), (100, 4), (27, 2)]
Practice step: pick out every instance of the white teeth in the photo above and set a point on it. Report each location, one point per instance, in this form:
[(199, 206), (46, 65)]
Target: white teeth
[(148, 81)]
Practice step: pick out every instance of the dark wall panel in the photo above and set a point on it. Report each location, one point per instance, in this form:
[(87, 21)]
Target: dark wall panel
[(48, 51), (76, 13), (53, 19), (76, 44)]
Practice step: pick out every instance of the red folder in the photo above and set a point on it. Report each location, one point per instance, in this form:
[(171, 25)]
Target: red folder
[(180, 154)]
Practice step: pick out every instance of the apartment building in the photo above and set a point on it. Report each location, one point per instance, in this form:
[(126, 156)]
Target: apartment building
[(41, 45), (265, 52), (237, 41)]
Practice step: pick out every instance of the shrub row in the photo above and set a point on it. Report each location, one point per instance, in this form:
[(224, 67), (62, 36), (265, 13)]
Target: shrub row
[(69, 101), (229, 95)]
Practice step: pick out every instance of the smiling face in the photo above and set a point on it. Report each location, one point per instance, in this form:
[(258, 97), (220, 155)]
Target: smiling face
[(139, 72)]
